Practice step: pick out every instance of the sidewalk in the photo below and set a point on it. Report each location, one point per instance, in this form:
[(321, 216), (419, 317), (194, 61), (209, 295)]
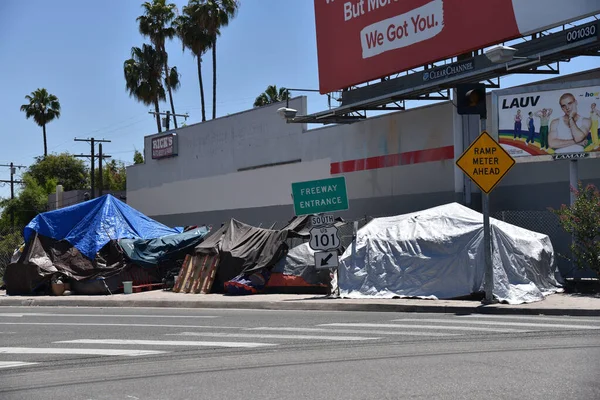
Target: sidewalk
[(556, 304)]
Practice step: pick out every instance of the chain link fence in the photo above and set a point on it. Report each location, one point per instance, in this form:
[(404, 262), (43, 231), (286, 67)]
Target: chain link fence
[(10, 240)]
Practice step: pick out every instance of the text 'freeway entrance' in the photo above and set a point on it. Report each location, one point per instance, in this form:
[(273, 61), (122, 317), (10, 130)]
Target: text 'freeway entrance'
[(320, 196)]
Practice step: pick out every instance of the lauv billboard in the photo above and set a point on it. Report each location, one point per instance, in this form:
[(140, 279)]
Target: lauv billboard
[(550, 122)]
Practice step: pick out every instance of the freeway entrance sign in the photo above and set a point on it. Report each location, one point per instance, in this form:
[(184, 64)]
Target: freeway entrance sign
[(320, 196), (485, 162)]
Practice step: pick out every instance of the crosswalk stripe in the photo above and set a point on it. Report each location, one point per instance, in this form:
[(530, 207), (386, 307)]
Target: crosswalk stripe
[(353, 331), (166, 343), (21, 315), (269, 336), (96, 352), (503, 323), (528, 317), (14, 364), (112, 324), (431, 327)]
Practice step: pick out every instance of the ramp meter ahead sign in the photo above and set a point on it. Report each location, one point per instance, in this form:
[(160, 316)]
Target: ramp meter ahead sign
[(485, 162), (320, 196)]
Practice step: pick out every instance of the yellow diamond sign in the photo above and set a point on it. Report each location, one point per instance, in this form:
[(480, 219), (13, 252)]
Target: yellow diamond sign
[(485, 162)]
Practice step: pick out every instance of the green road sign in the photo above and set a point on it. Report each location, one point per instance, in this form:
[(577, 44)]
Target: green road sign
[(321, 196)]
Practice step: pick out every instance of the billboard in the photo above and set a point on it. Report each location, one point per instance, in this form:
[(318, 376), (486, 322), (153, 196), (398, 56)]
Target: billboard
[(164, 146), (555, 122), (363, 40)]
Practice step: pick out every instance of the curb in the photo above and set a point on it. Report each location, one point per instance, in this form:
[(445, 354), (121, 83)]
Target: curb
[(303, 305)]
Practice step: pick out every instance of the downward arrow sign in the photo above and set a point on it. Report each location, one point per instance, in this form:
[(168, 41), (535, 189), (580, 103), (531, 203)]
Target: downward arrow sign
[(325, 261)]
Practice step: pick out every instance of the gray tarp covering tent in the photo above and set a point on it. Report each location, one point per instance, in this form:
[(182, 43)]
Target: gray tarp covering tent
[(243, 248), (438, 253)]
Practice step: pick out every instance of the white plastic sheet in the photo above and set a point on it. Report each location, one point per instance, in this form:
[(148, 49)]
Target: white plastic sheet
[(438, 254)]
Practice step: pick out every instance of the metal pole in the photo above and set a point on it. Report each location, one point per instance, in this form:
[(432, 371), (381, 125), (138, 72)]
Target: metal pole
[(573, 184), (100, 178), (487, 241), (12, 194), (93, 194), (573, 178)]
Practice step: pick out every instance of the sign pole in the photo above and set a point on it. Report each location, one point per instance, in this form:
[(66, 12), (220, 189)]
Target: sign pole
[(487, 240), (573, 182)]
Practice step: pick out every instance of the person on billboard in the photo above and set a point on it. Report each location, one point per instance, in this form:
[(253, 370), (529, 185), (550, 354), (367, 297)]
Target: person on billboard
[(544, 116), (517, 125), (530, 128), (569, 132), (594, 115)]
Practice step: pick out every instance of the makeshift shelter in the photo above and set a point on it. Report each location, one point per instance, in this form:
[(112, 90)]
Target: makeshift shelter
[(79, 243), (438, 254), (296, 273), (237, 252)]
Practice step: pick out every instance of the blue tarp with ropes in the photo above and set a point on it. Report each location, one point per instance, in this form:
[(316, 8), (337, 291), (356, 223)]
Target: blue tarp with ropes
[(89, 226)]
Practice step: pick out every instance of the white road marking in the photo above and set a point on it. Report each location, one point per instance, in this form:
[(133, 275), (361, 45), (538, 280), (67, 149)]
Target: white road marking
[(14, 364), (503, 323), (95, 352), (103, 315), (430, 327), (126, 325), (166, 343), (530, 317), (353, 331), (269, 336)]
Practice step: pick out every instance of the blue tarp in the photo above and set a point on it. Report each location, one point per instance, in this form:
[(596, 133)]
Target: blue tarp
[(90, 225)]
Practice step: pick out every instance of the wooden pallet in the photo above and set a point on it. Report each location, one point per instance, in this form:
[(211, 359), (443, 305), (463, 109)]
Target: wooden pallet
[(197, 274), (146, 288)]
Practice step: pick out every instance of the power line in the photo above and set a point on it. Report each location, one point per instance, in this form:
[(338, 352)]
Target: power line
[(91, 156), (12, 182)]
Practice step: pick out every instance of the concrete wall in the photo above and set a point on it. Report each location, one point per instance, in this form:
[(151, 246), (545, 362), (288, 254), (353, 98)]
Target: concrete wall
[(392, 164)]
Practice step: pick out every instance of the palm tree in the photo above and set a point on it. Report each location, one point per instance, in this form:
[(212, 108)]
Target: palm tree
[(194, 37), (214, 15), (143, 77), (156, 23), (43, 107), (271, 95)]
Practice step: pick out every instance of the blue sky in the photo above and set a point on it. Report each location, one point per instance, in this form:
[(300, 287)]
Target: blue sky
[(76, 50)]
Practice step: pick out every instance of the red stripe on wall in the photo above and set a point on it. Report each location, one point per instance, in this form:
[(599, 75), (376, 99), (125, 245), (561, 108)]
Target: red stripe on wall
[(394, 160)]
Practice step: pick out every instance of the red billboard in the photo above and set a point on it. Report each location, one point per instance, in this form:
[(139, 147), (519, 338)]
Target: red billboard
[(363, 40)]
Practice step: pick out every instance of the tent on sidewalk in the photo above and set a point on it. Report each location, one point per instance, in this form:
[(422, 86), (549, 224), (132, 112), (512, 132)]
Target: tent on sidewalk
[(235, 259), (438, 254), (79, 243)]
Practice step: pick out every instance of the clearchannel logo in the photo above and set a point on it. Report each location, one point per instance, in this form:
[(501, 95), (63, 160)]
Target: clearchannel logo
[(447, 71)]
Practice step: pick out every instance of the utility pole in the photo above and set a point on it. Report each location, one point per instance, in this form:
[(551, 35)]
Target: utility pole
[(101, 177), (92, 156), (168, 117), (12, 182)]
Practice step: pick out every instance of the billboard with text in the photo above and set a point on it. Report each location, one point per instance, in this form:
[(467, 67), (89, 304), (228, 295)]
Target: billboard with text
[(556, 122), (363, 40)]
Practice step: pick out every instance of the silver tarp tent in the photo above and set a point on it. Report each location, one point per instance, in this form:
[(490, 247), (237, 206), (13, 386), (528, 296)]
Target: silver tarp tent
[(438, 254)]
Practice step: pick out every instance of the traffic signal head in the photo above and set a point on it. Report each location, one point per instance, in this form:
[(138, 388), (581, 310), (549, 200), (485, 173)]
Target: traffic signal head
[(470, 99)]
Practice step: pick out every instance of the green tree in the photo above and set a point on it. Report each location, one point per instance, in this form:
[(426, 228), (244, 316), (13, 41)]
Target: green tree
[(143, 72), (582, 221), (114, 176), (43, 107), (195, 37), (31, 200), (138, 158), (214, 15), (67, 170), (271, 95), (157, 24)]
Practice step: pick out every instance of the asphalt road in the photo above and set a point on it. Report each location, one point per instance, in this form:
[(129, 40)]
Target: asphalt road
[(136, 353)]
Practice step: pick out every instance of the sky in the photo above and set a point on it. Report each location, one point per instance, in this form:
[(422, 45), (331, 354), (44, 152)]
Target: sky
[(76, 49)]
